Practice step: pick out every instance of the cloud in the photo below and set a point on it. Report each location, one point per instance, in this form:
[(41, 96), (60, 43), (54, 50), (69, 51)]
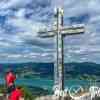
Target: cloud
[(28, 57), (83, 48), (22, 19), (13, 3)]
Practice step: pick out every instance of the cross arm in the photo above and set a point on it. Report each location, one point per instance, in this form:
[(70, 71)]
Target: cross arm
[(73, 30), (46, 34)]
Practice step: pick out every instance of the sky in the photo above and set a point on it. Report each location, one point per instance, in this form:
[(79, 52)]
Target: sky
[(20, 21)]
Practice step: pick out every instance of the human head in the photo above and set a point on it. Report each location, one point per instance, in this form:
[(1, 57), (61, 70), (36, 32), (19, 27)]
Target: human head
[(9, 71)]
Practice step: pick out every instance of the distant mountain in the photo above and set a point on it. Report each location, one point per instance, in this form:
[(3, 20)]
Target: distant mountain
[(46, 70), (85, 70)]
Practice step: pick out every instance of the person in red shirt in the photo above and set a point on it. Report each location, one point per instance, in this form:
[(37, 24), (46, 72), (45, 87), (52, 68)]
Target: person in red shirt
[(10, 79), (17, 94)]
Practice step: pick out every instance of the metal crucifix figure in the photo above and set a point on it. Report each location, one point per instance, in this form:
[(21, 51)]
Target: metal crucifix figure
[(59, 32)]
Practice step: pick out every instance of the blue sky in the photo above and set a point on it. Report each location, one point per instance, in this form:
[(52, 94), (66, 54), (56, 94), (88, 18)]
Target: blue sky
[(20, 21)]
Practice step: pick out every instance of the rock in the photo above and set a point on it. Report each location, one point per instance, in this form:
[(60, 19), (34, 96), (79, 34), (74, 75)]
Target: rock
[(52, 97)]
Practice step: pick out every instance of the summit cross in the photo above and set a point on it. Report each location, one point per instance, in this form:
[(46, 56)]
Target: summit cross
[(59, 32)]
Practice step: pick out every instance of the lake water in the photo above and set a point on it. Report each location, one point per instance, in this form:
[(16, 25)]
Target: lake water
[(48, 84)]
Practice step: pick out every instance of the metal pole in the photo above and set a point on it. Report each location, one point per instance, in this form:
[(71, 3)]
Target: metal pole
[(56, 71), (60, 51)]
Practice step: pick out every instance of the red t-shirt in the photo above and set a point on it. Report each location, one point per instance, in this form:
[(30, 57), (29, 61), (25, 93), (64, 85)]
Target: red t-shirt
[(16, 95), (10, 78)]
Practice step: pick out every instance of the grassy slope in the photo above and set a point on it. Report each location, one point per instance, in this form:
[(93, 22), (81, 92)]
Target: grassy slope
[(30, 93)]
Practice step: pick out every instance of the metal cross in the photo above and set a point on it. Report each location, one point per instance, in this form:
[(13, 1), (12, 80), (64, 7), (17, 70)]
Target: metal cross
[(59, 32)]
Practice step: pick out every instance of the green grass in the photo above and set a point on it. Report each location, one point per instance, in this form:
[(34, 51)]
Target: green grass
[(30, 93)]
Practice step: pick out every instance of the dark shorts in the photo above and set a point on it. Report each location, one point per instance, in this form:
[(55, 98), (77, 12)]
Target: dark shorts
[(10, 89)]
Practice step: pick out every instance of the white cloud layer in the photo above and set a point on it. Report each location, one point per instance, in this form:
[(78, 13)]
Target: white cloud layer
[(20, 20)]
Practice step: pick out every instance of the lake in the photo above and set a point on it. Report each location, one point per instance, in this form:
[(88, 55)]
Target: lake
[(48, 84)]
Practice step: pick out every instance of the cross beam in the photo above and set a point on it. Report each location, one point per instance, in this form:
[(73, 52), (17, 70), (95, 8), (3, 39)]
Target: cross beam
[(72, 30), (58, 33)]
